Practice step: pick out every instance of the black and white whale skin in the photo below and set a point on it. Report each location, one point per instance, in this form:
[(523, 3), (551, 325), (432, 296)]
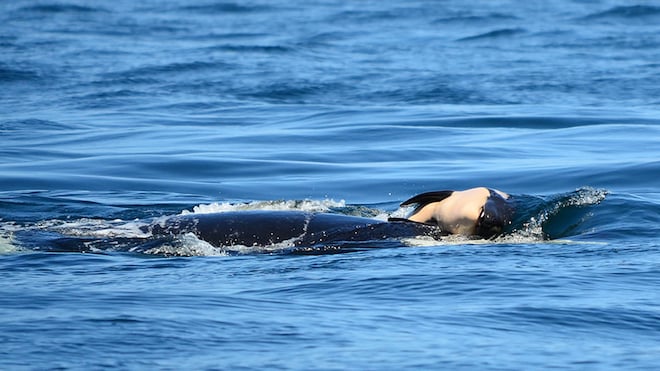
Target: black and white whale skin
[(478, 212)]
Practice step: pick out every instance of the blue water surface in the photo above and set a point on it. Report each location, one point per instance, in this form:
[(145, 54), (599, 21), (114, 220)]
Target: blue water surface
[(115, 114)]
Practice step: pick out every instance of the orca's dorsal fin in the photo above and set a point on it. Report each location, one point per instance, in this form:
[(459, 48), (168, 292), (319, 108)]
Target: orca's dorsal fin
[(424, 199), (427, 198)]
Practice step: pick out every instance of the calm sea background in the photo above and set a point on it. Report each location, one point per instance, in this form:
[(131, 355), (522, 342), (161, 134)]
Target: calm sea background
[(115, 113)]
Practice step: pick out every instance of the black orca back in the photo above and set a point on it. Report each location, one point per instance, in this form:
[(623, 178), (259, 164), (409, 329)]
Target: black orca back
[(300, 229)]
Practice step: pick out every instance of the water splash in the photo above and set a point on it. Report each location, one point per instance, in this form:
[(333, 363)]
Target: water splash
[(558, 216), (189, 244), (300, 205), (91, 227), (183, 245), (7, 246)]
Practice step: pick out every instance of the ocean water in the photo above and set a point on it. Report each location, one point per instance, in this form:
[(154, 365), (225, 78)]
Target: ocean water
[(114, 115)]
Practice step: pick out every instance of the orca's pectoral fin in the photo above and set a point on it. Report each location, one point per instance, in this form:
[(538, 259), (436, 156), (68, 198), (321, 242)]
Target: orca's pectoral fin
[(427, 198)]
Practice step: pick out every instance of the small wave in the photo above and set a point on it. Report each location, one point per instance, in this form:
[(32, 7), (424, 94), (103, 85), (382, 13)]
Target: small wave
[(327, 38), (224, 8), (215, 36), (291, 91), (585, 197), (300, 205), (366, 15), (558, 217), (434, 92), (592, 319), (626, 12), (35, 126), (62, 8), (8, 74), (143, 71), (496, 34), (269, 49), (7, 42), (477, 19)]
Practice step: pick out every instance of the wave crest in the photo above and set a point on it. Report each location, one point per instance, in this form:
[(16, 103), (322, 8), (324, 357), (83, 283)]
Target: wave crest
[(627, 12), (557, 217)]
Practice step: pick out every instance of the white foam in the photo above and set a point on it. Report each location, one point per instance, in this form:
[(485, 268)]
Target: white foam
[(123, 229), (584, 196), (190, 245), (510, 239), (187, 245), (449, 240), (7, 246), (101, 228), (301, 205), (531, 230)]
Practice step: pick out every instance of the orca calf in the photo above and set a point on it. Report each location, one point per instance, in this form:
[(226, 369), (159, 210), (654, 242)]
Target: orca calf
[(478, 212)]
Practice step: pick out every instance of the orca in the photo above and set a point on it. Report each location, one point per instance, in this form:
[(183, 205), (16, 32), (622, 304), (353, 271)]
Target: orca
[(478, 212), (481, 211), (295, 228)]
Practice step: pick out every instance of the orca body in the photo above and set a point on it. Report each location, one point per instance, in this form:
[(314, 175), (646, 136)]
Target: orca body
[(478, 212), (481, 211), (295, 228)]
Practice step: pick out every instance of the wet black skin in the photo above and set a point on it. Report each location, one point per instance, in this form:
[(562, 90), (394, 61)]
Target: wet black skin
[(302, 229)]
